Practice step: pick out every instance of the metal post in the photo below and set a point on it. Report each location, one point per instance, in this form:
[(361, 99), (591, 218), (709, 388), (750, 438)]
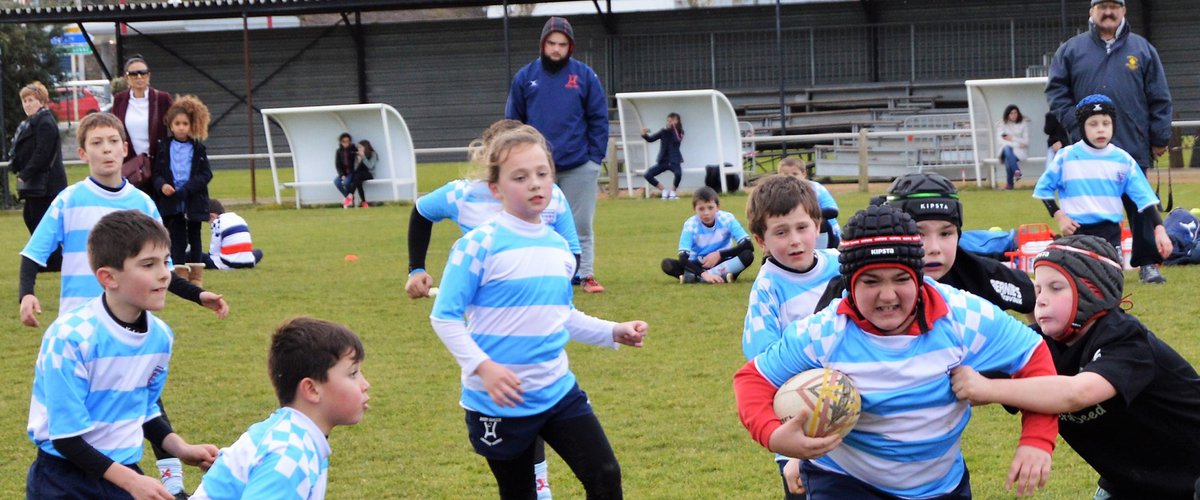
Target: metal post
[(1012, 47), (782, 100), (250, 103), (1062, 22), (812, 57), (3, 143), (712, 58), (912, 51), (862, 160), (507, 51)]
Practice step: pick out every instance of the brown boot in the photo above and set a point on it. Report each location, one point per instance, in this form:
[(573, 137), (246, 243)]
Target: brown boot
[(184, 272), (197, 274)]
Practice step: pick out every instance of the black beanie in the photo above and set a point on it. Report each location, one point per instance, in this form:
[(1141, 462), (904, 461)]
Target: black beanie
[(1095, 104), (926, 197), (1093, 269), (561, 25), (880, 235)]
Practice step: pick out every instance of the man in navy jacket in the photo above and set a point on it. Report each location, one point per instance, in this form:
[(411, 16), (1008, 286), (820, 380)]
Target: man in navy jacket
[(1109, 59), (562, 98)]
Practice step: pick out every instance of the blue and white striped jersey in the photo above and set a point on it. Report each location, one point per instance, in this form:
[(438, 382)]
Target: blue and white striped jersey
[(908, 438), (68, 222), (779, 297), (470, 203), (700, 240), (98, 380), (511, 281), (1089, 183), (285, 456)]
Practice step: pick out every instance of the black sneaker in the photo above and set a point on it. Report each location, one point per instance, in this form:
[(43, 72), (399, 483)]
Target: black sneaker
[(183, 495)]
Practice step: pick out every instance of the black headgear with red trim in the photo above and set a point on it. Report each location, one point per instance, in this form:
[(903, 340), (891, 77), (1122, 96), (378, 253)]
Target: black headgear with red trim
[(880, 235), (1093, 269)]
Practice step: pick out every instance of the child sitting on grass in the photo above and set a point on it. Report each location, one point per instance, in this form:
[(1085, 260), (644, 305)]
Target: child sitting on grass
[(101, 371), (713, 246), (314, 367), (1128, 403), (230, 246)]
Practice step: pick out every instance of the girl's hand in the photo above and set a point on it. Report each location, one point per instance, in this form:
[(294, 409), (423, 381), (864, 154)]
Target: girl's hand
[(789, 439), (630, 333), (502, 384), (645, 131), (168, 189)]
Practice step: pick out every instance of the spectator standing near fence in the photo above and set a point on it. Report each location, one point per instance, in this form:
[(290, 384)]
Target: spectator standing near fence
[(37, 161), (1110, 59), (563, 99), (142, 109)]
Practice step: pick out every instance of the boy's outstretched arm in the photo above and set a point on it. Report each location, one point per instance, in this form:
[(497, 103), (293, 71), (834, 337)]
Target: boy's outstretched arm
[(1050, 394), (30, 306), (184, 289)]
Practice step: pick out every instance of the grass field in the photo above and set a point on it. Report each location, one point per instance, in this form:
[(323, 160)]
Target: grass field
[(668, 408)]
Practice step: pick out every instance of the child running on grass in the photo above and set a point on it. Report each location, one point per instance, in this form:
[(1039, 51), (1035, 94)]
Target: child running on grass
[(69, 222), (101, 371), (784, 217), (896, 336), (713, 246), (315, 369), (470, 203), (511, 279), (1127, 402)]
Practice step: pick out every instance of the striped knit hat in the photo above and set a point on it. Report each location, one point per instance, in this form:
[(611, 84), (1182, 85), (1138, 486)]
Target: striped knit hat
[(560, 25), (1093, 269)]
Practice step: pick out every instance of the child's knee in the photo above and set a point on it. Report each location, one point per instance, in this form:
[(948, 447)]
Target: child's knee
[(603, 480)]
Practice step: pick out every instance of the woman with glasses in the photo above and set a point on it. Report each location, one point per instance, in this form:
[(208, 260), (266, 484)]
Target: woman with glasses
[(37, 160), (141, 108)]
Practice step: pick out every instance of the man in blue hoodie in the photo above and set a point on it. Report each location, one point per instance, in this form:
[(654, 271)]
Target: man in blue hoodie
[(563, 99), (1109, 59)]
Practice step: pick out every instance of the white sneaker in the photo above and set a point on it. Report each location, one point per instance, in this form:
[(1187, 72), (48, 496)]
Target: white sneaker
[(665, 194), (672, 195)]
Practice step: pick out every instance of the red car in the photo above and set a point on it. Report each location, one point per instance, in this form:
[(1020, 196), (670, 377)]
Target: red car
[(64, 108)]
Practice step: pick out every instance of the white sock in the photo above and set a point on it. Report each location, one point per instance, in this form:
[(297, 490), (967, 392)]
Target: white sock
[(170, 470), (733, 265), (542, 476)]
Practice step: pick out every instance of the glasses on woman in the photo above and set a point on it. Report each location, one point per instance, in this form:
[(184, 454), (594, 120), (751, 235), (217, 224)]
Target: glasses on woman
[(140, 72)]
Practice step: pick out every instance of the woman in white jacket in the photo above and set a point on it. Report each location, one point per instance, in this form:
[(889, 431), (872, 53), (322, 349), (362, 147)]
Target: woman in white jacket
[(1014, 143)]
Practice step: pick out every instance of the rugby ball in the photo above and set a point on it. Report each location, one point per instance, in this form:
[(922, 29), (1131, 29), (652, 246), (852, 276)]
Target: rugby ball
[(833, 402)]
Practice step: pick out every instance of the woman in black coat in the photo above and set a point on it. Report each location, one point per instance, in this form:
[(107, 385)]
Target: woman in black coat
[(37, 160)]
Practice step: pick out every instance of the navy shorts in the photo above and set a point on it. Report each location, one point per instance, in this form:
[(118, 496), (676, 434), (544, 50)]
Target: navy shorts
[(504, 438), (51, 477), (823, 484)]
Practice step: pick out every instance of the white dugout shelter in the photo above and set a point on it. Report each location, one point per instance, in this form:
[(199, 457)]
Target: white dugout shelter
[(986, 100), (711, 135), (312, 133)]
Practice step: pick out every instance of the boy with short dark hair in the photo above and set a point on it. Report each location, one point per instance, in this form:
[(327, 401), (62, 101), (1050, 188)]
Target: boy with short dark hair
[(314, 367), (784, 217), (101, 370), (1128, 403), (102, 143), (713, 246)]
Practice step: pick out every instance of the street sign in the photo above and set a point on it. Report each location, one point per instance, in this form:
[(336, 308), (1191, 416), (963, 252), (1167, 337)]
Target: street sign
[(69, 39), (73, 49)]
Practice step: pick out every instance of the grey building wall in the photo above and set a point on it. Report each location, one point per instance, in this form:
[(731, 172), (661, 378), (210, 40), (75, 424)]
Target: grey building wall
[(449, 79)]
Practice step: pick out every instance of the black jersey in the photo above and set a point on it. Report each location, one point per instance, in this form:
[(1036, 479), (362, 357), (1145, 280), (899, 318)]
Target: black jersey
[(1008, 288), (1145, 441)]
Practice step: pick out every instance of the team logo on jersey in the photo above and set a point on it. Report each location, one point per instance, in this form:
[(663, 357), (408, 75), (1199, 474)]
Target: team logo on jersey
[(490, 437), (572, 81), (155, 373), (1082, 416), (1131, 62), (1096, 356), (533, 84)]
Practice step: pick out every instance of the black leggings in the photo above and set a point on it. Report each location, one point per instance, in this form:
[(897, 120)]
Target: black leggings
[(184, 234), (582, 445), (674, 168), (360, 176)]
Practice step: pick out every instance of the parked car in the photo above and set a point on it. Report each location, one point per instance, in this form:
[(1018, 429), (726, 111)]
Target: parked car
[(68, 97)]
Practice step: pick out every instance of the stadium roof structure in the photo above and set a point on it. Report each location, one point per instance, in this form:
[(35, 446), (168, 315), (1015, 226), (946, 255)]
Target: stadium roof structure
[(208, 9)]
